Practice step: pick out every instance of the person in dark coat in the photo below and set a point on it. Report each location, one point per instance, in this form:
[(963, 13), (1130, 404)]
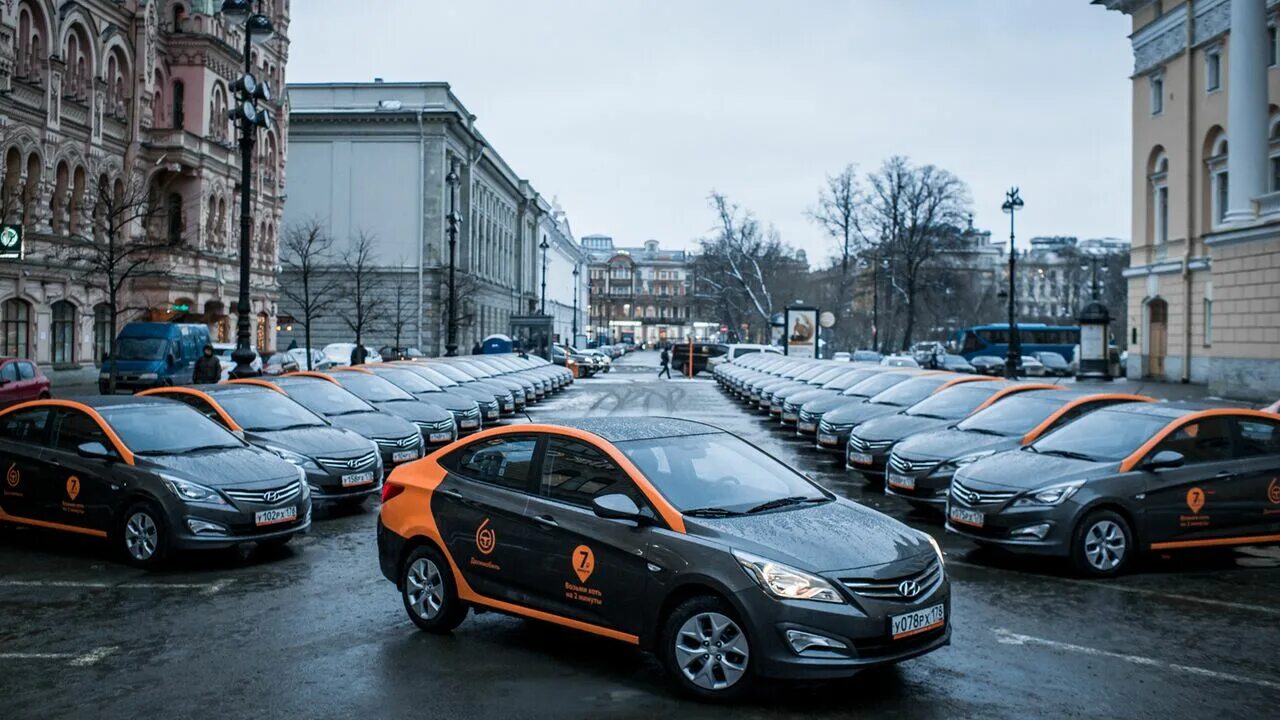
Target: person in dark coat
[(666, 364), (208, 368), (358, 354), (477, 349)]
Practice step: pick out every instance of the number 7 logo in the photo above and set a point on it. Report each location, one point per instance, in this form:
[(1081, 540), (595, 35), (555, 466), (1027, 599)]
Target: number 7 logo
[(584, 562)]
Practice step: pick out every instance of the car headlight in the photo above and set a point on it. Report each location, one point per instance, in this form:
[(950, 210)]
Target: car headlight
[(190, 492), (1052, 495), (936, 549), (785, 582), (302, 461)]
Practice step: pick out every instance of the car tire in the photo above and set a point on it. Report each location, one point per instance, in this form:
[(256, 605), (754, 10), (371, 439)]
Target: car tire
[(692, 634), (429, 594), (1102, 544), (143, 536)]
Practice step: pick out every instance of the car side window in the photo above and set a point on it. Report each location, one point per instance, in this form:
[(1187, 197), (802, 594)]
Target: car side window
[(27, 426), (9, 372), (199, 405), (503, 461), (26, 370), (72, 428), (574, 472), (1207, 440), (1258, 436)]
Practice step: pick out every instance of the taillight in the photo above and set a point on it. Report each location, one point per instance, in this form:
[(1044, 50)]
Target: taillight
[(390, 490)]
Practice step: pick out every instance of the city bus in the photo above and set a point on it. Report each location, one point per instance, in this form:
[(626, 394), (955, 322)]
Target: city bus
[(1032, 338)]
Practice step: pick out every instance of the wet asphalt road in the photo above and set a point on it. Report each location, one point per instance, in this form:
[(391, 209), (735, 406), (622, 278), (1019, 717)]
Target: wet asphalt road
[(315, 631)]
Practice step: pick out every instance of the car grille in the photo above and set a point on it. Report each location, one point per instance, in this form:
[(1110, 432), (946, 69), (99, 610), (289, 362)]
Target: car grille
[(857, 444), (404, 443), (435, 427), (790, 408), (899, 464), (809, 417), (969, 496), (923, 582), (270, 496), (362, 462), (831, 428), (469, 414)]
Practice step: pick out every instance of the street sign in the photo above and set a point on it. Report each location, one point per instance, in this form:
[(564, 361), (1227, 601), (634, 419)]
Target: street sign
[(11, 242)]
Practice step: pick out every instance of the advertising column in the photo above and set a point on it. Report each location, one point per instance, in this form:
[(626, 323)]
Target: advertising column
[(801, 330)]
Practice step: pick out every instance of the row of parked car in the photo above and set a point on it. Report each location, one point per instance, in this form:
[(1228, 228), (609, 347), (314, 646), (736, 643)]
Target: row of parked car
[(206, 466), (1079, 472)]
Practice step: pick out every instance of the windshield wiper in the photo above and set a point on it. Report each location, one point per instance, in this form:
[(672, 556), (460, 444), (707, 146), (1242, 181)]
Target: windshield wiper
[(298, 426), (984, 431), (1071, 454), (711, 512), (183, 451), (930, 416), (784, 502)]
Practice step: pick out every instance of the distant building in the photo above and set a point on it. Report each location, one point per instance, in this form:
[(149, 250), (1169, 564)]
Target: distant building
[(642, 293), (1056, 278)]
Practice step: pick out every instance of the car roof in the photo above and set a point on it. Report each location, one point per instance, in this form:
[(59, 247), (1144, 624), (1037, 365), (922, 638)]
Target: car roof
[(620, 429), (1170, 410), (108, 401), (224, 389)]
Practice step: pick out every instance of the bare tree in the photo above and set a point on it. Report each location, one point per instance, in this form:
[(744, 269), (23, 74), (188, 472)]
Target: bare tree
[(838, 212), (404, 301), (366, 283), (125, 245), (307, 255)]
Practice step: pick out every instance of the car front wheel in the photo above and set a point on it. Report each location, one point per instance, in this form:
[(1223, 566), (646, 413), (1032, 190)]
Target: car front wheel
[(428, 592), (144, 536), (1102, 544), (706, 649)]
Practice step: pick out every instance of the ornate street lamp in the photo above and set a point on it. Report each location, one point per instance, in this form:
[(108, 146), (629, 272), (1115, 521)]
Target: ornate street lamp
[(575, 299), (249, 119), (544, 245), (1012, 204), (451, 341)]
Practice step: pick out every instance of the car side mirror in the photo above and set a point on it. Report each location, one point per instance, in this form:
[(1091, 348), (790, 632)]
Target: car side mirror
[(616, 506), (1164, 460), (95, 451)]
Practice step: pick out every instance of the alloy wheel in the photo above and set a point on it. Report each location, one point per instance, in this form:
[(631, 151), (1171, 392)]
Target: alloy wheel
[(711, 651), (1104, 545), (141, 536), (425, 588)]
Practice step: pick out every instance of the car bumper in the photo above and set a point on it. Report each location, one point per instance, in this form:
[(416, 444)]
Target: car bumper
[(390, 552), (874, 469), (1002, 528), (238, 525), (833, 441)]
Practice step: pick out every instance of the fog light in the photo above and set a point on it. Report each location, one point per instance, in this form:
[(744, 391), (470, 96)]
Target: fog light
[(802, 642), (1037, 531), (204, 527), (315, 488)]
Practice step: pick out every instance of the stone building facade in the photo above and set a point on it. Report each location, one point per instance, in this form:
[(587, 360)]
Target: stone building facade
[(136, 92), (645, 293), (1204, 276)]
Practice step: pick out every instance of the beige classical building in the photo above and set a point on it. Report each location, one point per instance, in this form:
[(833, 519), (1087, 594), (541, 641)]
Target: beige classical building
[(1204, 276)]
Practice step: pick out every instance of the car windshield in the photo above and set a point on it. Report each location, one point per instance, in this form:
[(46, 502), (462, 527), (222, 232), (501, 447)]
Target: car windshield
[(371, 387), (848, 380), (1106, 436), (988, 360), (432, 375), (1015, 416), (267, 411), (452, 373), (1052, 359), (717, 472), (133, 348), (166, 429), (955, 360), (954, 403), (409, 381), (325, 398), (908, 393), (830, 374), (876, 384), (866, 355)]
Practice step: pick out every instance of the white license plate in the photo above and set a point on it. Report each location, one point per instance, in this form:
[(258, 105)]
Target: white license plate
[(918, 621), (960, 515), (859, 458), (468, 424), (278, 515), (403, 455), (906, 482), (440, 437), (491, 414), (807, 426), (825, 439), (360, 478), (788, 416)]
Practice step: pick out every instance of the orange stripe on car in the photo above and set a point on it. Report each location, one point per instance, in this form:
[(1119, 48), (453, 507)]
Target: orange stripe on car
[(959, 380), (1039, 430), (1217, 542), (1014, 388), (1136, 456), (257, 382), (226, 419), (50, 525), (123, 450), (311, 374)]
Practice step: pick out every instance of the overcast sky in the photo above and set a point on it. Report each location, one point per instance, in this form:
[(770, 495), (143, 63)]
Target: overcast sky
[(631, 111)]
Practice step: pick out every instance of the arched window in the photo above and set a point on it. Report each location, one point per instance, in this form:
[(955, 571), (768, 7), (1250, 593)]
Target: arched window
[(1219, 179), (1274, 152), (57, 201), (221, 227), (63, 329), (31, 192), (15, 319), (179, 99), (117, 80), (211, 224), (12, 177), (102, 335), (1158, 220), (173, 215), (179, 15), (76, 207)]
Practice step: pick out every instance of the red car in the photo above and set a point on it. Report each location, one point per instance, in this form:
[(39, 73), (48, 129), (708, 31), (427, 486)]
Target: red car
[(20, 381)]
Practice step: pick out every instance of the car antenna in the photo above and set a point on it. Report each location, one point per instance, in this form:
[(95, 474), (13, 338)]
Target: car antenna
[(527, 416)]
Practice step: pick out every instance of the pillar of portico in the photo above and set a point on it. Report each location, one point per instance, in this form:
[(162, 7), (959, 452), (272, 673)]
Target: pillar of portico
[(1246, 109)]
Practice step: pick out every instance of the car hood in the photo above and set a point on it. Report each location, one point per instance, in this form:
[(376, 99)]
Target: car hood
[(828, 403), (949, 443), (233, 467), (897, 427), (793, 388), (313, 441), (415, 411), (374, 424), (448, 400), (839, 535), (811, 395), (859, 413), (1026, 470)]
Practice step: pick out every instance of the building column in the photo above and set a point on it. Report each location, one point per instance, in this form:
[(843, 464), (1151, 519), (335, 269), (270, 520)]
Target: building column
[(1246, 109)]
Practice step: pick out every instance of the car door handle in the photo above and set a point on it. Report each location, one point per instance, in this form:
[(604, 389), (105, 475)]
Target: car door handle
[(1224, 475), (546, 521), (450, 492)]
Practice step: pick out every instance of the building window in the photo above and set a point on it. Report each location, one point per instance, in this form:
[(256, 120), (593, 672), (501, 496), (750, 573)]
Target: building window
[(1221, 181), (1213, 69), (179, 101), (1208, 322), (15, 317), (173, 210), (1157, 94), (64, 333), (1218, 181), (1273, 49), (102, 334)]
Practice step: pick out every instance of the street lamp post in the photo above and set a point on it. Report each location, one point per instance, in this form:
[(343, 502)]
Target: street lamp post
[(451, 340), (249, 119), (544, 246), (1012, 204), (575, 299)]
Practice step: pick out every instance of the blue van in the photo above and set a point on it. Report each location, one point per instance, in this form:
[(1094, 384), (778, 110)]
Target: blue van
[(154, 354)]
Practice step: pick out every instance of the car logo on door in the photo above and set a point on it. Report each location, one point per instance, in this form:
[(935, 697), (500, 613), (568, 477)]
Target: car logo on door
[(14, 476), (908, 588)]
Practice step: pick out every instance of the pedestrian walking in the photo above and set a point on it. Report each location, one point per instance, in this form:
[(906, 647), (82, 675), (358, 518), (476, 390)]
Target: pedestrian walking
[(358, 354), (208, 368), (666, 364)]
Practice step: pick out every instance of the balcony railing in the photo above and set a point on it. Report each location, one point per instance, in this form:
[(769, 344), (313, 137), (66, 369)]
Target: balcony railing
[(1268, 206)]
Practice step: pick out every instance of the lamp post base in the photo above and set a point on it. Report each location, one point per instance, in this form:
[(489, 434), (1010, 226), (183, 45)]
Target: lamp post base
[(244, 364)]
